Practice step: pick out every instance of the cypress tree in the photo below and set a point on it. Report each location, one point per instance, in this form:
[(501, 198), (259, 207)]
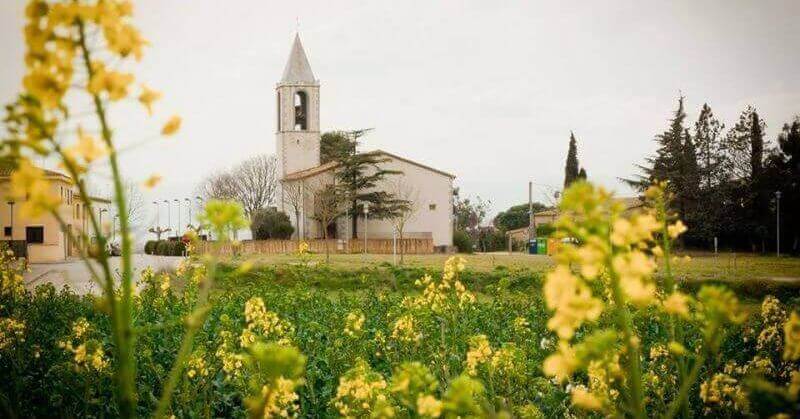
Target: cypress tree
[(582, 174), (571, 172)]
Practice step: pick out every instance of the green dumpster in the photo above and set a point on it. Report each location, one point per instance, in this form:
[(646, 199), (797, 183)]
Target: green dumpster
[(541, 246)]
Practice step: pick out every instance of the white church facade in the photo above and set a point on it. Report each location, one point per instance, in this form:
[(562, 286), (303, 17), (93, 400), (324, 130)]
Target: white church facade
[(298, 139)]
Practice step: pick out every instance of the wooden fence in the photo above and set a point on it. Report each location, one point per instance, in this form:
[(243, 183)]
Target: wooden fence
[(274, 247)]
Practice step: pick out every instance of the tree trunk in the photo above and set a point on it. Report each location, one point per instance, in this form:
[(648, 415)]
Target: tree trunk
[(297, 223), (327, 251), (354, 219), (402, 248)]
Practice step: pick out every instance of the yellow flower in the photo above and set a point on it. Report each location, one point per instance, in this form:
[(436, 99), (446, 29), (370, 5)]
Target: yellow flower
[(147, 97), (28, 183), (677, 349), (582, 398), (561, 364), (428, 406), (677, 304), (791, 335), (152, 181), (676, 229), (124, 39), (479, 352), (354, 323), (88, 147), (572, 301), (172, 126), (112, 82)]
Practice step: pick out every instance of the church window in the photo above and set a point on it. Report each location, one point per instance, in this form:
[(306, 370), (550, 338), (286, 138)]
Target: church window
[(432, 207), (300, 111)]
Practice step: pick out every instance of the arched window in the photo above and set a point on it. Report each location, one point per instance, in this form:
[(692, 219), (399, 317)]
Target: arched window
[(300, 111)]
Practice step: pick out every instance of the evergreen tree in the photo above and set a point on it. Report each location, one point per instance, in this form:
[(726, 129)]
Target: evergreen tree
[(789, 184), (571, 169), (358, 175), (665, 165), (707, 139), (335, 145), (582, 174)]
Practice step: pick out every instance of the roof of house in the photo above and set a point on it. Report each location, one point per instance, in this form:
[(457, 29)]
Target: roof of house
[(297, 69), (630, 202), (302, 174), (7, 168)]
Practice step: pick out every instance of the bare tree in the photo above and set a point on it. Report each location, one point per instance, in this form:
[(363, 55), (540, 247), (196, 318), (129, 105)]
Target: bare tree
[(255, 182), (294, 194), (330, 202), (407, 195), (218, 185)]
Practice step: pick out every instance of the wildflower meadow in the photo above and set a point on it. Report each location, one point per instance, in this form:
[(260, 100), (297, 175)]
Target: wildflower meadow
[(609, 331)]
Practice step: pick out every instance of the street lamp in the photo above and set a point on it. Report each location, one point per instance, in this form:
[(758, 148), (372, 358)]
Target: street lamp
[(169, 217), (189, 206), (178, 203), (158, 223), (778, 223), (102, 210), (11, 206), (114, 228), (366, 221)]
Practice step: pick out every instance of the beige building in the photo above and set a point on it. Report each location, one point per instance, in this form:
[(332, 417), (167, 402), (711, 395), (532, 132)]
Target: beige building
[(549, 216), (298, 150), (42, 237)]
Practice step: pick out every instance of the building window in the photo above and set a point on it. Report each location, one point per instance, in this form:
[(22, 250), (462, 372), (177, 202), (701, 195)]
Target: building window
[(34, 234), (432, 207), (300, 111), (7, 231)]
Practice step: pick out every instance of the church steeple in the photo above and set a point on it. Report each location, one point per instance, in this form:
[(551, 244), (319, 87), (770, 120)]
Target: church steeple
[(297, 126), (297, 69)]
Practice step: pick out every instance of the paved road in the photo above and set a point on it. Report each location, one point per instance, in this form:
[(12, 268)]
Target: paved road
[(75, 273)]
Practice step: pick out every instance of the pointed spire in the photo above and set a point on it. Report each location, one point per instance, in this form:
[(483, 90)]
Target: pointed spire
[(297, 68)]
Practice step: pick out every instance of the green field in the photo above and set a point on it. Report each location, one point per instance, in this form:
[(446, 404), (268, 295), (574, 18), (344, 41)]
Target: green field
[(701, 266)]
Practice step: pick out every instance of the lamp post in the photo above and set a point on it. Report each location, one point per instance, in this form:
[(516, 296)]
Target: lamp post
[(189, 207), (102, 210), (178, 203), (158, 223), (778, 223), (366, 222), (11, 206), (114, 228), (169, 217)]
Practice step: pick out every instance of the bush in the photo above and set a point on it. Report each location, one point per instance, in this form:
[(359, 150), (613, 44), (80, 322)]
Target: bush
[(271, 224), (150, 247), (462, 241), (161, 247), (545, 230)]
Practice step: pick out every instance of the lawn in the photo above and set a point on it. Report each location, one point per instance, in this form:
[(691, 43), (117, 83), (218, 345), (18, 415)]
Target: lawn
[(701, 266)]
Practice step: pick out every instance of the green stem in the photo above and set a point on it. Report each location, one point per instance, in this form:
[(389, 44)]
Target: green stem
[(683, 392), (125, 339), (196, 319)]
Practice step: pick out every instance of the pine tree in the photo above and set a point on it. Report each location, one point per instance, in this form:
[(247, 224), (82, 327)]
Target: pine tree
[(358, 175), (665, 165), (571, 169), (707, 139)]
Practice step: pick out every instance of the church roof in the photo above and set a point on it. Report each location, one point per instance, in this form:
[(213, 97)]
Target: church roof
[(297, 68), (302, 174)]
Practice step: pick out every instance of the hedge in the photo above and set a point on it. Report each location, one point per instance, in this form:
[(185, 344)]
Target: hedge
[(165, 248)]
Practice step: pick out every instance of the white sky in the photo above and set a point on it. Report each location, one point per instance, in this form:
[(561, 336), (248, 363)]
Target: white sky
[(486, 90)]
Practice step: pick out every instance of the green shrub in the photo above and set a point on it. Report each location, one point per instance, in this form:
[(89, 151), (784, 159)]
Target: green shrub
[(271, 224), (161, 247), (150, 247), (545, 230), (462, 241)]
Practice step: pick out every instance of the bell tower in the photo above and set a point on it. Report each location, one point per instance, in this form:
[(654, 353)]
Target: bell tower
[(297, 134)]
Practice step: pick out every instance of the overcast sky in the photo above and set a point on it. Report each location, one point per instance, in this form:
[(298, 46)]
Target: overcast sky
[(486, 90)]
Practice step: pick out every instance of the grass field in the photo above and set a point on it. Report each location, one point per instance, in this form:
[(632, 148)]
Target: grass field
[(701, 266)]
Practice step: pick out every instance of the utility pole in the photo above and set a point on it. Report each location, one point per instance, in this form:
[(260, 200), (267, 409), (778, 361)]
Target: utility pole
[(778, 223), (531, 227)]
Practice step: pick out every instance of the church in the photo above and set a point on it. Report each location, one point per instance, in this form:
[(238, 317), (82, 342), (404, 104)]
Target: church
[(297, 142)]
